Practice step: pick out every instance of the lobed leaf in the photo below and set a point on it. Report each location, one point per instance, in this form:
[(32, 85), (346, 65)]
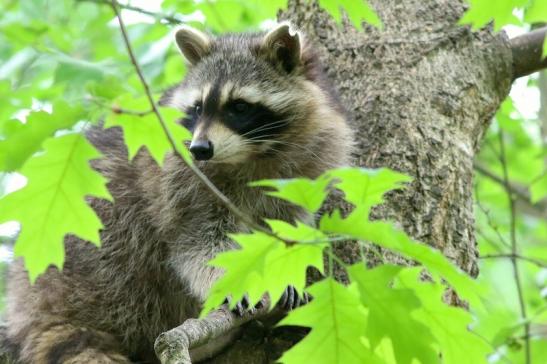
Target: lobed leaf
[(303, 192), (501, 12), (389, 314), (243, 270), (337, 321), (146, 131), (52, 203), (22, 140), (384, 234), (264, 264), (287, 265), (357, 11), (366, 187), (449, 325)]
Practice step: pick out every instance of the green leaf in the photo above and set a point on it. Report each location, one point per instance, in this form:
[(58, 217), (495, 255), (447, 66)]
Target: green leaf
[(238, 15), (303, 192), (482, 12), (146, 130), (448, 324), (78, 72), (52, 203), (366, 187), (23, 140), (337, 321), (287, 265), (267, 264), (108, 88), (389, 314), (538, 189), (357, 11), (384, 234), (244, 270)]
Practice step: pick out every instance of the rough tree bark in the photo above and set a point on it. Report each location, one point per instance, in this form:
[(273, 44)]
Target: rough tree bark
[(421, 94)]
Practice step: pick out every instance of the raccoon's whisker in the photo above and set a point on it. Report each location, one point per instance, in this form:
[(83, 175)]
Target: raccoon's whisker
[(269, 126), (263, 138), (226, 144), (281, 142)]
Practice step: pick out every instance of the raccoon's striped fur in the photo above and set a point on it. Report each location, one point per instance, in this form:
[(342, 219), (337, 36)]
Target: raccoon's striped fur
[(258, 107)]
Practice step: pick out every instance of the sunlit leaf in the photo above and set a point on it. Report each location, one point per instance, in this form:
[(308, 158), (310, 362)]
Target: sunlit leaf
[(357, 11), (287, 265), (23, 140), (390, 311), (366, 187), (449, 325), (384, 234), (52, 203), (244, 270), (264, 264), (501, 12), (146, 131), (303, 192), (337, 321)]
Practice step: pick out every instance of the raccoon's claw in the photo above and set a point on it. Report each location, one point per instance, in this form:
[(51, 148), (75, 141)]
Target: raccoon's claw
[(242, 306), (290, 299)]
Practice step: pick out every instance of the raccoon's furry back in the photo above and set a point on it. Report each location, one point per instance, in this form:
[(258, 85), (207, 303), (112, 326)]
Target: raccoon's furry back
[(109, 304)]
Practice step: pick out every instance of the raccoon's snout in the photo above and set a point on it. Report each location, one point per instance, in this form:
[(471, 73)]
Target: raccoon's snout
[(202, 149)]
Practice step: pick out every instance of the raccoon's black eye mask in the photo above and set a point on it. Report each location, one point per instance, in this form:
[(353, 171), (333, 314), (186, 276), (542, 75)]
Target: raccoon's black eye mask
[(252, 120), (192, 115)]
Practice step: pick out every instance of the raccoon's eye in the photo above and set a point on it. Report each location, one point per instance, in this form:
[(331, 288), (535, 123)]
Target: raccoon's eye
[(197, 110), (240, 107)]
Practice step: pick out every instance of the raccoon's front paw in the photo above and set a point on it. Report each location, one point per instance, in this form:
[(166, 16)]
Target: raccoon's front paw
[(242, 307), (290, 299)]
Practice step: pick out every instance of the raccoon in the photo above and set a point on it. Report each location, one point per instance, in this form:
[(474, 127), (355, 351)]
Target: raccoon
[(258, 106)]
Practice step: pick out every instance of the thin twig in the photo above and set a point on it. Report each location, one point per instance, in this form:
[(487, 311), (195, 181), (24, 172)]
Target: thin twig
[(489, 240), (538, 209), (514, 252), (537, 262), (519, 191), (171, 19), (495, 348), (119, 110), (243, 217), (489, 218)]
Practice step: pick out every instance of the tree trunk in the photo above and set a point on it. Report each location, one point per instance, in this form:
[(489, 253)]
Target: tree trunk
[(420, 93)]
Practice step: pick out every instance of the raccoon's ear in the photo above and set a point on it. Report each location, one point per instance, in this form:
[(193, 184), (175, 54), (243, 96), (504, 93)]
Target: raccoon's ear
[(193, 44), (282, 47)]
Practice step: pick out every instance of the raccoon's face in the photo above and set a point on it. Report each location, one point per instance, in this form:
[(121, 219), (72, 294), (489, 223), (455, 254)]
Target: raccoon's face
[(244, 95)]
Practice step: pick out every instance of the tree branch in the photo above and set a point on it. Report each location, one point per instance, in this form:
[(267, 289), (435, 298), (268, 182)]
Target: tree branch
[(171, 19), (514, 251), (537, 262), (538, 209), (527, 53), (192, 341)]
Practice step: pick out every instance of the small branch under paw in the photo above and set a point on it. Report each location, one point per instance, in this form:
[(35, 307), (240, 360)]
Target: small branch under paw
[(198, 339)]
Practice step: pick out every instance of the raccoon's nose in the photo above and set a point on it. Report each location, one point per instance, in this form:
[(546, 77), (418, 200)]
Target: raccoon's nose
[(202, 149)]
